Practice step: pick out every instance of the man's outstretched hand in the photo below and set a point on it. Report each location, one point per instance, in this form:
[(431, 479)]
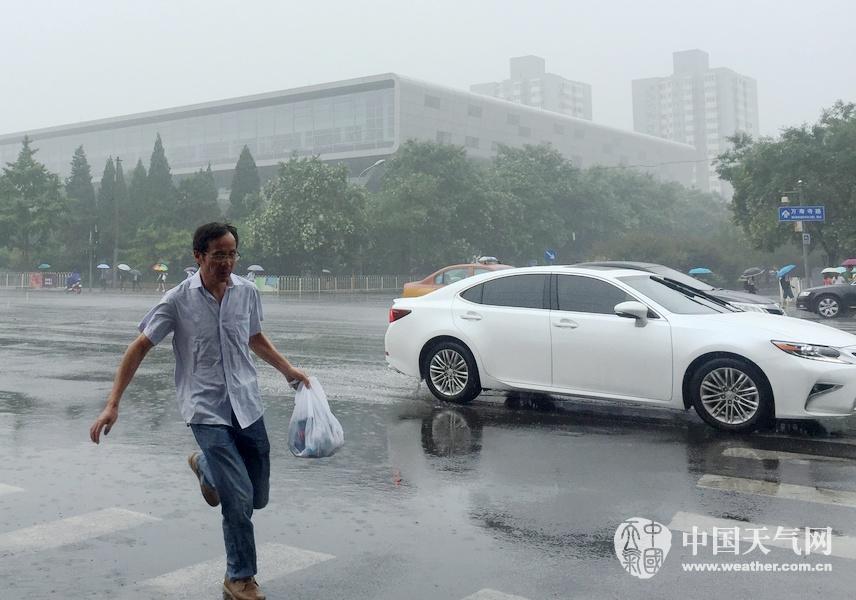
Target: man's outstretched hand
[(105, 421)]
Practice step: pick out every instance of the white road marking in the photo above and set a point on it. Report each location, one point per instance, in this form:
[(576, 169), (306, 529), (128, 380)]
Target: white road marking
[(756, 454), (841, 546), (488, 594), (205, 580), (73, 529), (778, 490), (9, 489)]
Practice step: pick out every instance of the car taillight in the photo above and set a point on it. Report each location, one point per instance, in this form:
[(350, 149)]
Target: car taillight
[(396, 313)]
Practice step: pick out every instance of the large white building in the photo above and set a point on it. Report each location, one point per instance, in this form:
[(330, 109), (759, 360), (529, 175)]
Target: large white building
[(355, 122), (700, 106), (530, 84)]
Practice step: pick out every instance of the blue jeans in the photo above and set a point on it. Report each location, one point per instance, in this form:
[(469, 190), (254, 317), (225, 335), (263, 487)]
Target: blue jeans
[(236, 462)]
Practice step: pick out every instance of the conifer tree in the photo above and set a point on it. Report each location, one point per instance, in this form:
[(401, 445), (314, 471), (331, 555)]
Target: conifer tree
[(245, 186)]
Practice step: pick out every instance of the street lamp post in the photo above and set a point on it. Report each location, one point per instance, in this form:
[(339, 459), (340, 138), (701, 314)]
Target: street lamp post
[(800, 227)]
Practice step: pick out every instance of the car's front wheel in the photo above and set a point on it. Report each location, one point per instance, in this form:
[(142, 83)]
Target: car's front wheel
[(828, 306), (451, 373), (731, 394)]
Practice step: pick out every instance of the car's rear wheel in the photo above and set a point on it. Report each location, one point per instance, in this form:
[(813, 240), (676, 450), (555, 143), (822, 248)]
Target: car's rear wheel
[(731, 394), (451, 373), (828, 306)]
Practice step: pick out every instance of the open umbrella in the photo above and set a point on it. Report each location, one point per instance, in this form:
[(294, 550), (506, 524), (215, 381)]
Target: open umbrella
[(785, 270), (136, 272), (160, 267), (255, 268), (832, 270), (123, 267), (103, 266), (44, 266), (753, 272), (850, 262), (700, 271)]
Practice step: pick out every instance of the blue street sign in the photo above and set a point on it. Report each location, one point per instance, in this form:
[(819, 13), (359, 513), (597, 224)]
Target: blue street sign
[(802, 213), (549, 255)]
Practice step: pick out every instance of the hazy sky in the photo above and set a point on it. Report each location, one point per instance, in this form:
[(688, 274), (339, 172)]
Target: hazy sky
[(64, 62)]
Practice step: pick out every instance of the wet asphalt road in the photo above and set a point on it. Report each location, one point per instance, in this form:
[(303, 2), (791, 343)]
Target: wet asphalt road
[(508, 497)]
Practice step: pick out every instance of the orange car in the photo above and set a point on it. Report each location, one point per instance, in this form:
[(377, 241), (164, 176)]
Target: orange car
[(448, 275)]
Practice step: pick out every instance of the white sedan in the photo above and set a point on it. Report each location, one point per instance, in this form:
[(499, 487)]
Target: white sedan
[(625, 335)]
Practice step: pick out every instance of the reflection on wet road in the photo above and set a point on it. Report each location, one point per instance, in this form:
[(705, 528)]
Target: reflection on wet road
[(512, 496)]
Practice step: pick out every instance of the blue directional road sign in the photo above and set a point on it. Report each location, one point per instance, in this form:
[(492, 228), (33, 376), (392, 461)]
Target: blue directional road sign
[(802, 213), (549, 255)]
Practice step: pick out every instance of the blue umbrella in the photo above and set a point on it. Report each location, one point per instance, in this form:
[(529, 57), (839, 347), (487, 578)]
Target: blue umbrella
[(785, 270), (700, 271)]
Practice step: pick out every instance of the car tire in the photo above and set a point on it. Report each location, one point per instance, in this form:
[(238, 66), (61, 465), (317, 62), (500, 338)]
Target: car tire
[(828, 306), (451, 373), (731, 394)]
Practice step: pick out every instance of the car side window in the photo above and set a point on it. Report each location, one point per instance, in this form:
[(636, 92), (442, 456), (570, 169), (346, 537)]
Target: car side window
[(524, 291), (474, 294), (586, 294), (453, 275)]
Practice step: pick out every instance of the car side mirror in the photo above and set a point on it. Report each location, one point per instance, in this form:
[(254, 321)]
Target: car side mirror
[(633, 310)]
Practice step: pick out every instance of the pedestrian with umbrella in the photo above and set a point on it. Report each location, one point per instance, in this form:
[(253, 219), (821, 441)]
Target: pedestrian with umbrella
[(252, 270), (785, 282), (136, 276), (123, 268), (161, 269), (215, 320), (102, 277)]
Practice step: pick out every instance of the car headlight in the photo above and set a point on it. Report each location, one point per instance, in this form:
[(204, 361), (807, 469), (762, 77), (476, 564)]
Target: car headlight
[(811, 351), (804, 294), (749, 306)]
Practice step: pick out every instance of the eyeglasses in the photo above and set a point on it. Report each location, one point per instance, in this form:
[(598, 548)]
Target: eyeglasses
[(224, 256)]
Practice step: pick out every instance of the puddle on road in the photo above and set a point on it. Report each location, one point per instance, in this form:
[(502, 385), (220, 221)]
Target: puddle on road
[(16, 403)]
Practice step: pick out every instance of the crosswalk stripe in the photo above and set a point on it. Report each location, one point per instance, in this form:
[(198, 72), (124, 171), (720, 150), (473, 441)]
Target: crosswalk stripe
[(778, 490), (757, 454), (73, 529), (841, 546), (204, 580), (488, 594), (9, 489)]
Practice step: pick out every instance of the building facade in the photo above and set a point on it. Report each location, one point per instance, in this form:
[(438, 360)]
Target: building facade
[(700, 106), (530, 84), (355, 122)]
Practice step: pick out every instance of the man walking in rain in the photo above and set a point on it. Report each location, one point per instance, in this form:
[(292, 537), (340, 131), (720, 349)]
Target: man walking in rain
[(215, 318)]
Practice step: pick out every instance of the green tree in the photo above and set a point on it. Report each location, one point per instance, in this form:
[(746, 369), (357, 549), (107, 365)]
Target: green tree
[(31, 203), (541, 205), (433, 209), (245, 187), (822, 156), (135, 214), (161, 191), (106, 212), (80, 195), (197, 199), (311, 219)]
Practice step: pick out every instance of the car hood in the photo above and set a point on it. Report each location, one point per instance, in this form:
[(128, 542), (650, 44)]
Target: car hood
[(735, 296), (827, 288), (787, 329)]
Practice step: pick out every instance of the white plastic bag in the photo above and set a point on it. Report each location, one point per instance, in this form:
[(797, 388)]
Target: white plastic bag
[(313, 431)]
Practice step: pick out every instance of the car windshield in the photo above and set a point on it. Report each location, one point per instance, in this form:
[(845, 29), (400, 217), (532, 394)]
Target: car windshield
[(673, 300)]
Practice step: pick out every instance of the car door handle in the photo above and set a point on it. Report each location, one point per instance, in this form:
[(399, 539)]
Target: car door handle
[(471, 316), (566, 323)]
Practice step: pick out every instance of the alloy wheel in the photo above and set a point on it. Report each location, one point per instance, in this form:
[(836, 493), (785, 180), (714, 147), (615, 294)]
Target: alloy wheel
[(730, 396), (828, 307), (448, 372)]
